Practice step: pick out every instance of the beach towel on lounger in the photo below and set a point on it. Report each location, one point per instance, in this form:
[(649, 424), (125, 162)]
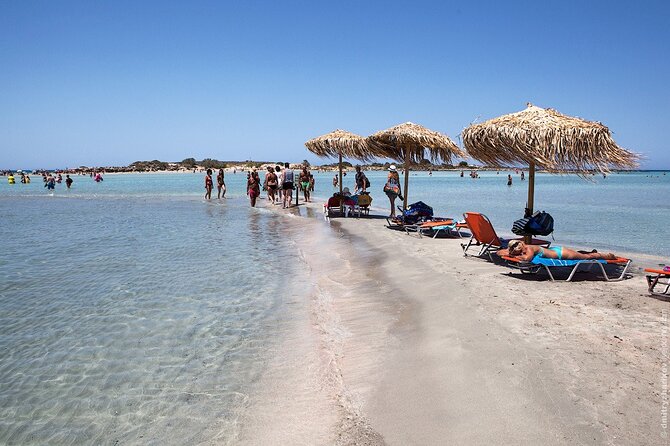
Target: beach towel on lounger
[(539, 260)]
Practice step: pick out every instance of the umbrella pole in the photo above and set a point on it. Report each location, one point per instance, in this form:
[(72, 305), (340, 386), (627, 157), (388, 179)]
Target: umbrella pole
[(340, 183), (531, 194), (404, 200)]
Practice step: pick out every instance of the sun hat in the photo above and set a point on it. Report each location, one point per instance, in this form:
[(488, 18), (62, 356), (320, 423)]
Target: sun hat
[(392, 168), (513, 244), (346, 191)]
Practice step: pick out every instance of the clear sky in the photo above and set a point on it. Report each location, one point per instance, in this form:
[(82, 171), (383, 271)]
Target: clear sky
[(109, 83)]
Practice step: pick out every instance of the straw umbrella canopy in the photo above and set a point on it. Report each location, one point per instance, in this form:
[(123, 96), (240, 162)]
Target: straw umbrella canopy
[(340, 143), (547, 139), (407, 144)]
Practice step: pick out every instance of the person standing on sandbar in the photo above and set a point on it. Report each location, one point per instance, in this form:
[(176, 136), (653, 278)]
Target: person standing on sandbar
[(208, 185)]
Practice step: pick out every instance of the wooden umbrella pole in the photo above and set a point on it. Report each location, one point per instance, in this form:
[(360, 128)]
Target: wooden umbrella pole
[(340, 182), (404, 200), (531, 195)]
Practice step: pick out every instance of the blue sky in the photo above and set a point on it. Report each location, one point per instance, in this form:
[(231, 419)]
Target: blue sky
[(109, 83)]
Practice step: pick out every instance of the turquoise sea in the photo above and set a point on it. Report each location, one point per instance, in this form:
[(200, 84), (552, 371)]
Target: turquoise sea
[(134, 311)]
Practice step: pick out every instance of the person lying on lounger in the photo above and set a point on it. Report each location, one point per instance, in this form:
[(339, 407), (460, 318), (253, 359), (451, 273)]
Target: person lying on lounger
[(522, 251)]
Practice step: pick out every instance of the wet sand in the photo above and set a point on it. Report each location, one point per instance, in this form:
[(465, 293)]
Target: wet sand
[(472, 355)]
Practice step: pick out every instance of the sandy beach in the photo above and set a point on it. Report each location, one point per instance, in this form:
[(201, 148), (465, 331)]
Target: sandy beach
[(463, 353)]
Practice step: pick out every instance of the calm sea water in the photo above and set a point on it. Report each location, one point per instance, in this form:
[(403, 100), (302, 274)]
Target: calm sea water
[(625, 212), (133, 310)]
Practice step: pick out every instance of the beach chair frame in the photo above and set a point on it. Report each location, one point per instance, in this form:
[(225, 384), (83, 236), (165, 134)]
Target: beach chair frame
[(532, 268), (658, 278)]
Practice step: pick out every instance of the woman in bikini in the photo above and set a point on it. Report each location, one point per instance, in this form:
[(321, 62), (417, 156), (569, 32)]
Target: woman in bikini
[(522, 251), (253, 187), (221, 184), (208, 184), (271, 181)]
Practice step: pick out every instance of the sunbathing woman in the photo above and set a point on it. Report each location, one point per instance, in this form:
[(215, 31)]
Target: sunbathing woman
[(522, 251)]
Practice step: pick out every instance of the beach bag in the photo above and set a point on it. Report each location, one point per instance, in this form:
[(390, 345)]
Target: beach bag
[(367, 182), (416, 212), (392, 188), (519, 226), (364, 199), (540, 223)]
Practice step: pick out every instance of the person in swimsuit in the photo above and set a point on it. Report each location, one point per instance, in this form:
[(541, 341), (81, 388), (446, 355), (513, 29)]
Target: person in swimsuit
[(287, 186), (208, 184), (392, 188), (220, 184), (68, 181), (361, 181), (271, 184), (278, 196), (253, 187), (522, 251), (304, 183)]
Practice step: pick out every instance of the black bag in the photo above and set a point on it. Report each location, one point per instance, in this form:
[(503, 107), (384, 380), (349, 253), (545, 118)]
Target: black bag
[(540, 223), (367, 182), (519, 226), (416, 212)]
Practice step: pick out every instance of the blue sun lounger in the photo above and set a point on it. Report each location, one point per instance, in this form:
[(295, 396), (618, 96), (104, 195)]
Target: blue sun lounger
[(538, 264)]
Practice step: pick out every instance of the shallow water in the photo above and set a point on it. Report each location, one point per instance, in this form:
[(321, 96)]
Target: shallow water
[(623, 212), (136, 319)]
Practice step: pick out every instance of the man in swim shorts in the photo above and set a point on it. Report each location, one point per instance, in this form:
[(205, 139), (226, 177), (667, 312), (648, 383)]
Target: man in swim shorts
[(287, 186), (304, 183)]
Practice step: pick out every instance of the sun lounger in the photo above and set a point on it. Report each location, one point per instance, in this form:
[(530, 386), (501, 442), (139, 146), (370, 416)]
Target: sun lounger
[(484, 236), (436, 227), (339, 206), (538, 264), (658, 278)]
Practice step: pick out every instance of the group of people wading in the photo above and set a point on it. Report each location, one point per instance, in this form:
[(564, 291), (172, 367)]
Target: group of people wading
[(278, 183)]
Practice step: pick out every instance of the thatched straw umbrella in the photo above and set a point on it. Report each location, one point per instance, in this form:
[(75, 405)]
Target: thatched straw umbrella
[(407, 144), (340, 143), (547, 139)]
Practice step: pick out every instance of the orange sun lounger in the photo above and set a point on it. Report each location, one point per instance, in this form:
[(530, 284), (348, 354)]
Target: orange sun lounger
[(485, 238), (658, 278), (435, 227)]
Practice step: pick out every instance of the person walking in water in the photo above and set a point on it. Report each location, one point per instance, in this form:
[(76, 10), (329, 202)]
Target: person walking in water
[(523, 176), (287, 186), (68, 181), (304, 183), (51, 183), (278, 194), (208, 185), (509, 180), (253, 187), (335, 181), (271, 184), (221, 185)]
